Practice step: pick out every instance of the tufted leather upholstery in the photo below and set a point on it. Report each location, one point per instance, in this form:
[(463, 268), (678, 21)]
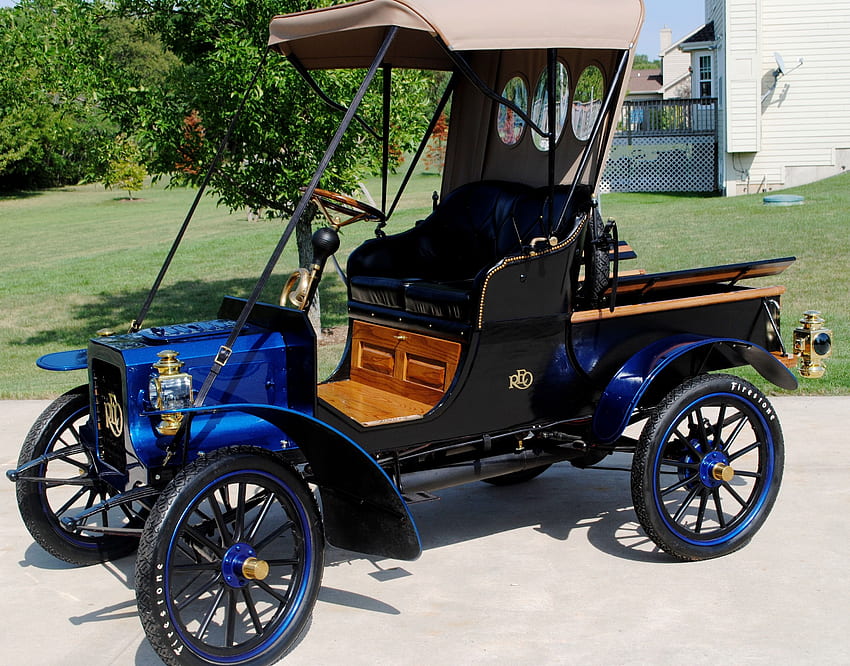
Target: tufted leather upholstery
[(435, 268)]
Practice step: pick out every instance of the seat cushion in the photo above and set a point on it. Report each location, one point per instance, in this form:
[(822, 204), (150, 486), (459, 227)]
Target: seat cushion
[(443, 301), (387, 292)]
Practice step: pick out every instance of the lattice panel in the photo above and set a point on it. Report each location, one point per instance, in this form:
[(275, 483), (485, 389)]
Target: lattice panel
[(661, 164)]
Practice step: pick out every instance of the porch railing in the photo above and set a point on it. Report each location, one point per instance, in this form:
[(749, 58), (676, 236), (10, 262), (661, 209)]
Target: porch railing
[(666, 117)]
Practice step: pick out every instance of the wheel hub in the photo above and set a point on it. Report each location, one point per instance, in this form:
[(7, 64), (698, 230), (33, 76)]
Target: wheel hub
[(714, 469), (240, 564)]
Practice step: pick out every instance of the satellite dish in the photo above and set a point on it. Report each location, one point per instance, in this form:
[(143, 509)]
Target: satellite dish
[(780, 64)]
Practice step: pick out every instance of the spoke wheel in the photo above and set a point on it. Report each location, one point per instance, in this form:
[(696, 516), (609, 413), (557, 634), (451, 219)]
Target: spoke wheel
[(708, 467), (230, 562), (70, 485)]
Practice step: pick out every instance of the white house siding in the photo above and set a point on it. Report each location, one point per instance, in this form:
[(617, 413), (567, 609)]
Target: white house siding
[(800, 131)]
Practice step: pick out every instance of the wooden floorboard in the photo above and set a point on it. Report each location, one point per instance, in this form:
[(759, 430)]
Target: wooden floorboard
[(369, 405)]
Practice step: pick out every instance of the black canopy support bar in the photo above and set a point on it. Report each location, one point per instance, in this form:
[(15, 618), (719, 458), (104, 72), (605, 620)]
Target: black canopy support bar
[(385, 157), (227, 349), (551, 64), (447, 93), (612, 93), (465, 69), (137, 323), (336, 106)]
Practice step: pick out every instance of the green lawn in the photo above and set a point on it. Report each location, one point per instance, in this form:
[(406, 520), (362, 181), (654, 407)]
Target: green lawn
[(78, 259)]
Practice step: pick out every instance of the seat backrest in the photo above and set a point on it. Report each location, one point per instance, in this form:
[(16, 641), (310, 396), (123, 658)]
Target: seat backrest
[(529, 218), (455, 242)]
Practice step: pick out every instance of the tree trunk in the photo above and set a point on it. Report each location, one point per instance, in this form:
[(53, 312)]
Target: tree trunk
[(303, 236)]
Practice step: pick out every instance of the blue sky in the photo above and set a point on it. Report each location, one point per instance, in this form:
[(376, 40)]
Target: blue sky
[(682, 16)]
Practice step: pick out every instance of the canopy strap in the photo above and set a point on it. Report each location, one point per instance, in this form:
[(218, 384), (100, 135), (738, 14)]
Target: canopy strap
[(336, 106), (447, 93), (137, 322), (226, 349)]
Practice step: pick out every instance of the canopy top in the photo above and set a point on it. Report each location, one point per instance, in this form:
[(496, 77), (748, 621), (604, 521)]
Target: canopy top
[(346, 35)]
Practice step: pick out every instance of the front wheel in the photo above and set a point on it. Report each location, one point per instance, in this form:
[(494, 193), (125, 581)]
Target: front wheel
[(65, 482), (708, 467), (230, 561)]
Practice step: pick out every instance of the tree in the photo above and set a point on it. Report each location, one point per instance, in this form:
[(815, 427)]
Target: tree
[(49, 115), (284, 127), (124, 169)]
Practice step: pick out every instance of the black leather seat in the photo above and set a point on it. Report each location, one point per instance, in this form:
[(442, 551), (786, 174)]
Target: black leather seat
[(435, 269)]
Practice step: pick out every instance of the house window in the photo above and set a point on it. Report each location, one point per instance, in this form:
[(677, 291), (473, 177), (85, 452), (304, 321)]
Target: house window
[(705, 76)]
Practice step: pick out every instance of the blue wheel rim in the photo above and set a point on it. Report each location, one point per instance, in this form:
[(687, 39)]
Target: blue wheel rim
[(696, 507), (283, 619)]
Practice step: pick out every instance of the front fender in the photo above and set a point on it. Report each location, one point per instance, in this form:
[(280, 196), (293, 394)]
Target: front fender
[(624, 392), (361, 507)]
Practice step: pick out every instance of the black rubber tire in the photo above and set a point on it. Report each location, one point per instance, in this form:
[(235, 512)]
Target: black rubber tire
[(185, 569), (513, 478), (597, 262), (64, 425), (706, 423)]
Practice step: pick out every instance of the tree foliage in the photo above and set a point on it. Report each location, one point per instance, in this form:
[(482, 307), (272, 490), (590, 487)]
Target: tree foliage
[(49, 113), (284, 128)]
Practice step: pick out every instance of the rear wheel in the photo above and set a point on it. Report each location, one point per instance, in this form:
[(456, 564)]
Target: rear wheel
[(708, 467), (66, 482), (230, 562)]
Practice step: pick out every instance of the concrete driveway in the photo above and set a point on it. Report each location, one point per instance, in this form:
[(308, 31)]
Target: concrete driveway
[(555, 571)]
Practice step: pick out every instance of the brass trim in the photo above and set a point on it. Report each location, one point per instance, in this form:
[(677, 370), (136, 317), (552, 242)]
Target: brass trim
[(508, 261), (722, 472)]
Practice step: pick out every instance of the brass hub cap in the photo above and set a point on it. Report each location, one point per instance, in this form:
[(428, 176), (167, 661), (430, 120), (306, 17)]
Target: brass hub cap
[(255, 569), (722, 472)]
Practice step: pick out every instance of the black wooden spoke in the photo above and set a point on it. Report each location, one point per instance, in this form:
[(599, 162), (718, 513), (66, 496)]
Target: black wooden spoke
[(261, 516), (239, 521), (92, 497), (225, 497), (283, 562), (749, 475), (680, 464), (703, 435), (686, 504), (274, 535), (271, 591), (680, 485), (67, 505), (687, 442), (715, 493), (718, 428), (190, 531), (196, 567), (737, 431), (230, 618), (744, 451), (734, 494), (210, 613), (219, 520), (252, 610), (182, 603), (703, 502)]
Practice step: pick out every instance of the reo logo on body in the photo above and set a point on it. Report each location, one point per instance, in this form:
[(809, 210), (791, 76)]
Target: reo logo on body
[(113, 417), (521, 379)]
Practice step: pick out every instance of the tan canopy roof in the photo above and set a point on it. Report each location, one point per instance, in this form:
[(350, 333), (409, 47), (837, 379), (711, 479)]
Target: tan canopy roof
[(348, 35)]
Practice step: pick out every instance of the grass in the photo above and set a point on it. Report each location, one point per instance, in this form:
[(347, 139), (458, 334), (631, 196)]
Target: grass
[(78, 259)]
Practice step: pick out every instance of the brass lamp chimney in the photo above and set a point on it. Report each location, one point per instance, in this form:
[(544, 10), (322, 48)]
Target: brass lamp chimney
[(812, 344)]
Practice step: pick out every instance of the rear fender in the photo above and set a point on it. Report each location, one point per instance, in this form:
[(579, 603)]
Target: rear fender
[(361, 507), (624, 392)]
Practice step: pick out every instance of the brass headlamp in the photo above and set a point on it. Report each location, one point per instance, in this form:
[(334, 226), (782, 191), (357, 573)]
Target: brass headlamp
[(812, 344), (170, 389)]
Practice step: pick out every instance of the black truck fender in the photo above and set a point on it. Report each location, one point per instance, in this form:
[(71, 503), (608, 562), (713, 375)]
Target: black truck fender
[(362, 509), (631, 382)]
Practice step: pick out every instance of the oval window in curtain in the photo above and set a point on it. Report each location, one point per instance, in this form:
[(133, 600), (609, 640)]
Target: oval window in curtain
[(540, 105), (509, 125), (587, 101)]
